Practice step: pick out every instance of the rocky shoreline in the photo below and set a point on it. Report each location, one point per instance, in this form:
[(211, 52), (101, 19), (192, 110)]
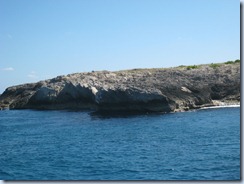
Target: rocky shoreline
[(143, 90)]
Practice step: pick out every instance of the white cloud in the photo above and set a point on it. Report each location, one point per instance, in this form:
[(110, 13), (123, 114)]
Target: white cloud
[(8, 69)]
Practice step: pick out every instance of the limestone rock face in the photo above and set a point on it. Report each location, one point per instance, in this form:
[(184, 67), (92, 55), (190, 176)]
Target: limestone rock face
[(146, 90)]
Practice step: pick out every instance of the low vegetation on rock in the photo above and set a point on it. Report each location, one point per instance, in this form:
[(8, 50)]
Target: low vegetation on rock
[(192, 67)]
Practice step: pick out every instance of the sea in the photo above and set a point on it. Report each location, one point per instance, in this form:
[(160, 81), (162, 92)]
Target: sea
[(84, 145)]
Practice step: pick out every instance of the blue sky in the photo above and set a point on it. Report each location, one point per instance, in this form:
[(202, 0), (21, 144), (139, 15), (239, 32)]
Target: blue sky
[(40, 39)]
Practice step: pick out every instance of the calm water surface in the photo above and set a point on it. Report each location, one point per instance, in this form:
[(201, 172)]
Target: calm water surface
[(69, 145)]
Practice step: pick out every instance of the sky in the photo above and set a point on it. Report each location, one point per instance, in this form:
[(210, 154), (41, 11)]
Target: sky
[(41, 39)]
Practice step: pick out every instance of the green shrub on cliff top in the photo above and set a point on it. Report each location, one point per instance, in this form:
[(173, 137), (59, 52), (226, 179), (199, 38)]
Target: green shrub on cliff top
[(232, 62), (192, 67), (214, 65), (229, 62), (181, 66)]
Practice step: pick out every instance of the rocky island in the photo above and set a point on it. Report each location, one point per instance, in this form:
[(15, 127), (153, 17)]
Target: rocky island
[(144, 90)]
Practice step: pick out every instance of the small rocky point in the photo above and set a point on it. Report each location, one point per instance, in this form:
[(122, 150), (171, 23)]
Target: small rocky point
[(143, 90)]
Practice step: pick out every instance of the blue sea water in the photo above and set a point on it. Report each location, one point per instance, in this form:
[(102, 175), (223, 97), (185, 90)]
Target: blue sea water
[(74, 145)]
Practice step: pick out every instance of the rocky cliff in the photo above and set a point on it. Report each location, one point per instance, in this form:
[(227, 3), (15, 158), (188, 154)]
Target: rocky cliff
[(150, 90)]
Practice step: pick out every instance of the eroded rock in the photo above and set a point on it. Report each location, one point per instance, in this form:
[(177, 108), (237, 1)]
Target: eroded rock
[(160, 90)]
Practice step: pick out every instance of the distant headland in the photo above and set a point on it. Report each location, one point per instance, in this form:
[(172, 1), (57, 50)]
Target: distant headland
[(144, 90)]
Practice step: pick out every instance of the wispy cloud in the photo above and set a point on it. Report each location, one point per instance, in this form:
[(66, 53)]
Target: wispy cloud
[(47, 76), (32, 75), (8, 69)]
